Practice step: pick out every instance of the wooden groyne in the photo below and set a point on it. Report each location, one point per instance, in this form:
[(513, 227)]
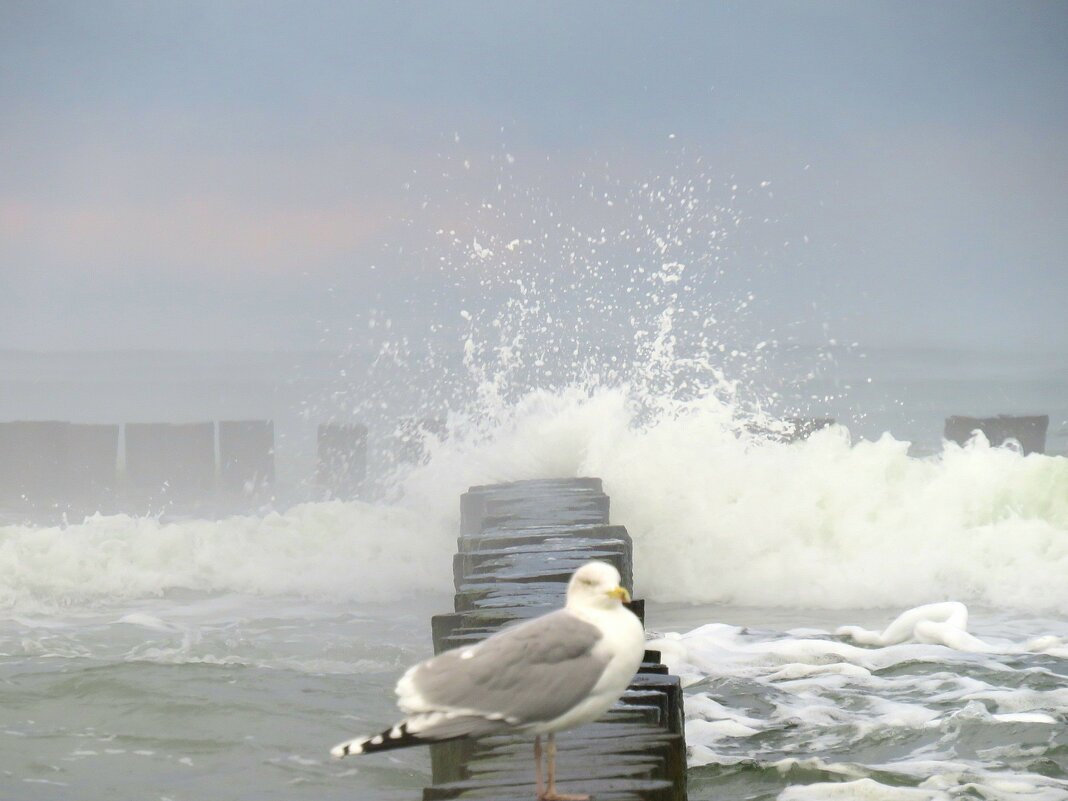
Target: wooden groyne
[(518, 545), (50, 469), (1029, 432)]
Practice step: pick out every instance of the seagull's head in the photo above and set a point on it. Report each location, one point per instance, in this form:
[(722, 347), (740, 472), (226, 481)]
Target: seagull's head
[(596, 584)]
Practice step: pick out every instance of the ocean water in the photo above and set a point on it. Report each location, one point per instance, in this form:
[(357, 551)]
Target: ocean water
[(189, 659), (164, 657), (939, 711)]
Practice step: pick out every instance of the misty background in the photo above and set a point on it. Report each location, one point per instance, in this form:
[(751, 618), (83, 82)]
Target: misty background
[(215, 210)]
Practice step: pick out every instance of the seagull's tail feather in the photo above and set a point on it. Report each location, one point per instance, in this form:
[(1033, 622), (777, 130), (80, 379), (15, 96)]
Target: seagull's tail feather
[(432, 727), (397, 737)]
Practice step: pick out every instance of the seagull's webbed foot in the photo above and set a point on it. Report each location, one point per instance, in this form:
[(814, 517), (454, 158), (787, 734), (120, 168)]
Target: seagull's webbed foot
[(562, 797)]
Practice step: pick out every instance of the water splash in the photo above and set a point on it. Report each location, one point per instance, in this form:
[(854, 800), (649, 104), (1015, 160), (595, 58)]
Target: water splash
[(644, 287)]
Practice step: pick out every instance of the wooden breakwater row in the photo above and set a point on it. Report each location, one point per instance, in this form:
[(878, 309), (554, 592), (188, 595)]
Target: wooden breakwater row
[(45, 463), (519, 544), (1027, 431)]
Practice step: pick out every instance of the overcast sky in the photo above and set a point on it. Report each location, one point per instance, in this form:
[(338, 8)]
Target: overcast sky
[(246, 175)]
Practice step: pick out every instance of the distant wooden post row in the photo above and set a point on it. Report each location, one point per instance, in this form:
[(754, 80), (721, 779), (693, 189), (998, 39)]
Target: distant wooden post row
[(1028, 432), (44, 464)]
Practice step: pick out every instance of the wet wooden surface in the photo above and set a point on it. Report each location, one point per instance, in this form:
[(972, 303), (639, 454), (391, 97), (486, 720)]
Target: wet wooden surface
[(519, 544)]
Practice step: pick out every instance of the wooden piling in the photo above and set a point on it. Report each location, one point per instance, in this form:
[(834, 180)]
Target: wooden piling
[(518, 546), (32, 456), (342, 465), (1030, 431), (54, 466), (170, 461), (246, 455)]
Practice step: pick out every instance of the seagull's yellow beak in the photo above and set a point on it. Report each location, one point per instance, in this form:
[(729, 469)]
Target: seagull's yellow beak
[(620, 593)]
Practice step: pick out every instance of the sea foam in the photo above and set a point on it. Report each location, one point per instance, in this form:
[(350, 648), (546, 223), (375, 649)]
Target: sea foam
[(720, 515), (337, 551), (717, 515)]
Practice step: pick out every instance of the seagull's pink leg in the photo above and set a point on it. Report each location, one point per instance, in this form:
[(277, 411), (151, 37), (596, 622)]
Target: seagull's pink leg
[(551, 794), (537, 767)]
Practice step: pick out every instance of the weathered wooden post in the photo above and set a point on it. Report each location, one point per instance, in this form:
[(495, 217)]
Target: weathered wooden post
[(1029, 431), (32, 461), (409, 438), (170, 461), (805, 427), (342, 459), (790, 429), (519, 544), (56, 466), (91, 464), (246, 456)]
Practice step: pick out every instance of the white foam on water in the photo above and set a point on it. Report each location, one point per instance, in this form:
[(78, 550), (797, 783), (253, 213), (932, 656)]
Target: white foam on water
[(1022, 700), (704, 731), (622, 352), (630, 352), (720, 650), (945, 624), (958, 778), (900, 718), (721, 517), (859, 790), (148, 621), (336, 551)]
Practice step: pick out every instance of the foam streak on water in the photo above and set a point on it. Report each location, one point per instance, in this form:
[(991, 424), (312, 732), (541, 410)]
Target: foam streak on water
[(804, 714)]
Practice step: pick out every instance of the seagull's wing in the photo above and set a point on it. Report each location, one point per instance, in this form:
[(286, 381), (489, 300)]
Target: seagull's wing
[(531, 673)]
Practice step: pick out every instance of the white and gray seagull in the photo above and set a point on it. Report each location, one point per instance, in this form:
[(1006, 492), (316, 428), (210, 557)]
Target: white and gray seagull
[(552, 673)]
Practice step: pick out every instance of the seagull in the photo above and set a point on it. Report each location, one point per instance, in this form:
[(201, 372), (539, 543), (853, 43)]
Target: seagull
[(552, 673)]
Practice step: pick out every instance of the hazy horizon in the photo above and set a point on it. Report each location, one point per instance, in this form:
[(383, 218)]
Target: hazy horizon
[(254, 176)]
